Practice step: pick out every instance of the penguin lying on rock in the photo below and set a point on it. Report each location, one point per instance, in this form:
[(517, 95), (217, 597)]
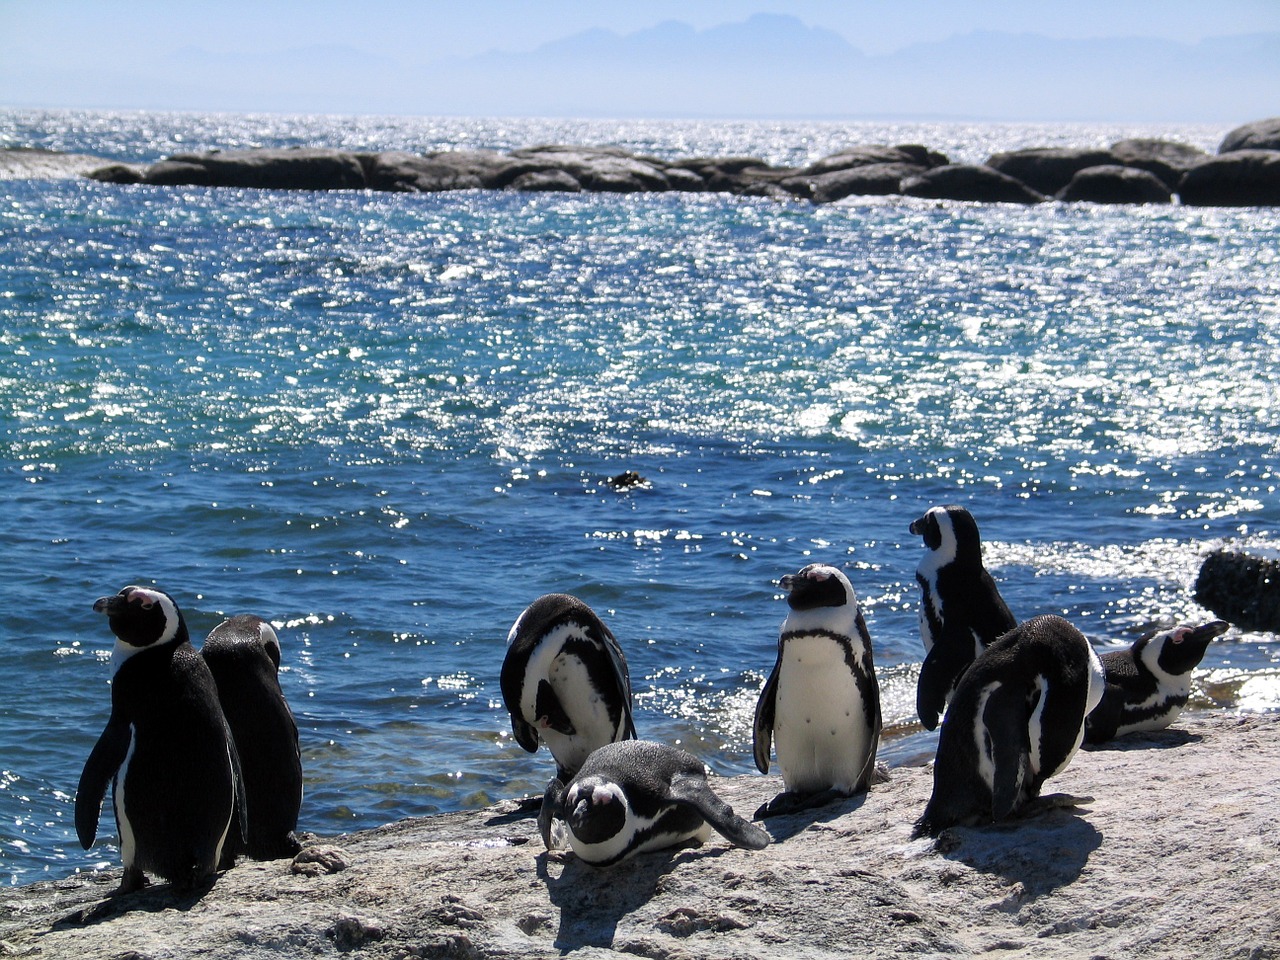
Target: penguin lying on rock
[(820, 707), (1148, 684), (565, 683), (636, 795), (961, 610), (1016, 719), (243, 654), (166, 746)]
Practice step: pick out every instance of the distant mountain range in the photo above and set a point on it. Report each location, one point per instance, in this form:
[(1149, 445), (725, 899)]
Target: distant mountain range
[(775, 66), (768, 66)]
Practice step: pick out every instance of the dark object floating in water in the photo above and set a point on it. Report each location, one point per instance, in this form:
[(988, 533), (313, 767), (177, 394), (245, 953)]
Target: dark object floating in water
[(1242, 589), (627, 480)]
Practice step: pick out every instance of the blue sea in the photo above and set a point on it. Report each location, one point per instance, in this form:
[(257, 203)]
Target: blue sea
[(386, 423)]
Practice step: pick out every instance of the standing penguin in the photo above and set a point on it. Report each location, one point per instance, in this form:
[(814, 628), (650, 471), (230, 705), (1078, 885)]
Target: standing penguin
[(821, 703), (635, 795), (243, 654), (565, 683), (1016, 719), (1148, 684), (167, 746), (961, 610)]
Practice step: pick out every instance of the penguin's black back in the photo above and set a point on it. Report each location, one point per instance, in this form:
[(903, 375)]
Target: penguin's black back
[(179, 784), (265, 734)]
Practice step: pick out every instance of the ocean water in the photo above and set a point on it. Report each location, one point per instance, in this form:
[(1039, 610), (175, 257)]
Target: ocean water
[(386, 423)]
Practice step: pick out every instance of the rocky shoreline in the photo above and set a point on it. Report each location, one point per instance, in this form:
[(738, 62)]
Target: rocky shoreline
[(1244, 172), (1177, 855)]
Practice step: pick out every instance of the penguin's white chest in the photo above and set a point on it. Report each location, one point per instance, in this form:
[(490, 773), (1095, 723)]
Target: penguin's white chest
[(821, 735), (583, 704), (128, 841)]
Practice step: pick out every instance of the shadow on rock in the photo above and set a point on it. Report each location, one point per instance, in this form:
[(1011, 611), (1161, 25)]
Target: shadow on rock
[(787, 825), (592, 900), (1154, 740), (150, 900), (1039, 854)]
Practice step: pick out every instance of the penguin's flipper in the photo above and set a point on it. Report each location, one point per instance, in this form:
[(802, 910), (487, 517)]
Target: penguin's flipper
[(619, 663), (942, 667), (695, 791), (762, 731), (550, 807), (1007, 748), (548, 705), (104, 760)]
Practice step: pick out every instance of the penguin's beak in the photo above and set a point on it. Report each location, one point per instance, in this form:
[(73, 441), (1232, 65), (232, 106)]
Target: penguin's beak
[(787, 582), (111, 605), (1203, 634), (915, 527)]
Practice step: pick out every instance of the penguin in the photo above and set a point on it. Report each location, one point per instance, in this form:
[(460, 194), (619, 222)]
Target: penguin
[(166, 747), (1016, 719), (961, 610), (243, 654), (565, 683), (820, 707), (636, 795), (1148, 684)]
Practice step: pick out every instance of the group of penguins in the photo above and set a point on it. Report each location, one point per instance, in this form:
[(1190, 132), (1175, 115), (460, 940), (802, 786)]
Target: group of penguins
[(202, 749)]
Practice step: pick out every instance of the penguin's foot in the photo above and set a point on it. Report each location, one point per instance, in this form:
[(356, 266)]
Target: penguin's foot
[(132, 881), (792, 802)]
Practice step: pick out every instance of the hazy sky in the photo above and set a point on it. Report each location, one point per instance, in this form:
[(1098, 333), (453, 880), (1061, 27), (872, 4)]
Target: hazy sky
[(72, 53)]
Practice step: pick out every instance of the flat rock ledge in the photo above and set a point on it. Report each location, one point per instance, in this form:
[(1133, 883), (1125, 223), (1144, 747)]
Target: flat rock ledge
[(1177, 856)]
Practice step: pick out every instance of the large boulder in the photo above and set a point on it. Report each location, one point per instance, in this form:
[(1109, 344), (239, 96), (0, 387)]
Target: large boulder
[(1242, 589), (546, 181), (732, 174), (1167, 159), (966, 181), (1242, 178), (1259, 135), (1048, 169), (867, 156), (401, 172), (601, 169), (873, 179), (1115, 184), (293, 169)]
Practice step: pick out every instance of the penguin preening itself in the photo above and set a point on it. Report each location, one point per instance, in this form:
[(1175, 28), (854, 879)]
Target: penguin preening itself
[(636, 795), (243, 653), (1149, 683), (961, 610), (565, 683), (820, 707), (167, 747), (1016, 719)]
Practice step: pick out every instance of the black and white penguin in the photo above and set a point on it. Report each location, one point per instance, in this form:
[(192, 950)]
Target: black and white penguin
[(636, 795), (565, 683), (1016, 719), (1148, 684), (167, 746), (243, 653), (820, 707), (961, 610)]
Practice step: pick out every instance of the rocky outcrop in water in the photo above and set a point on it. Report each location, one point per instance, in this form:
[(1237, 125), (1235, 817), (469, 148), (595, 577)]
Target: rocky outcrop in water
[(1245, 172), (1242, 589), (1176, 856)]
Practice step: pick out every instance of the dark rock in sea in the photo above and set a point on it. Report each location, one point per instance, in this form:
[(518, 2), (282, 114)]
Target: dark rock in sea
[(1166, 159), (599, 169), (297, 169), (1243, 178), (731, 174), (627, 480), (1048, 169), (546, 181), (874, 179), (964, 181), (1115, 184), (118, 173), (400, 172), (1242, 589), (1259, 135), (873, 155)]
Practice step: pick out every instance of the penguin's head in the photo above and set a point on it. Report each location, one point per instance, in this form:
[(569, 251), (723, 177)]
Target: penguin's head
[(141, 618), (595, 809), (1178, 651), (949, 531), (818, 585), (245, 628)]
